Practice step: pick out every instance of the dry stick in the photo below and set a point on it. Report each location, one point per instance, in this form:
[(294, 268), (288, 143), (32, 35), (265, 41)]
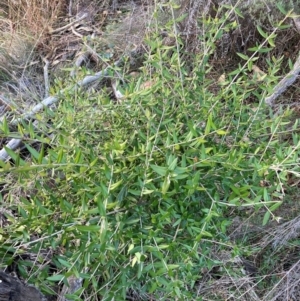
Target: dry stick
[(287, 81), (70, 8), (76, 33), (57, 30), (46, 77), (13, 144)]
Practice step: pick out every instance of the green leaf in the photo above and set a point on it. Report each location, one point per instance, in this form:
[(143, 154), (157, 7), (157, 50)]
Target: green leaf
[(172, 266), (221, 132), (115, 185), (147, 191), (162, 171), (78, 156), (135, 192), (238, 12), (271, 42), (4, 126), (165, 185), (64, 263), (93, 163), (281, 8), (100, 205), (209, 124), (243, 56), (260, 49), (60, 156), (33, 152), (266, 196), (91, 228), (11, 153), (57, 277), (266, 218), (275, 206), (173, 164), (262, 33)]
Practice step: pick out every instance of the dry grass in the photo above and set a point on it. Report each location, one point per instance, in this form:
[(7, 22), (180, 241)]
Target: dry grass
[(24, 26)]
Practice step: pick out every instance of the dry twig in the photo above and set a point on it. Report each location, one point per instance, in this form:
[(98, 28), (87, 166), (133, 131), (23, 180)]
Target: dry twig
[(57, 30)]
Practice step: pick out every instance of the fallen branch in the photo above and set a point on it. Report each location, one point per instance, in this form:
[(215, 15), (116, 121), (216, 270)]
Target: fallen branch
[(47, 102), (13, 144), (287, 81)]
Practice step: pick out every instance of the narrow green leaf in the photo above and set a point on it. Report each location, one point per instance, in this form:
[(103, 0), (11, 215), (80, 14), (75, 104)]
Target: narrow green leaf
[(266, 195), (60, 156), (91, 228), (93, 163), (11, 153), (173, 164), (41, 159), (271, 42), (57, 277), (281, 8), (162, 171), (266, 217), (134, 192), (64, 263), (33, 151), (5, 127), (275, 206), (262, 33), (165, 185), (78, 156), (243, 56), (100, 205)]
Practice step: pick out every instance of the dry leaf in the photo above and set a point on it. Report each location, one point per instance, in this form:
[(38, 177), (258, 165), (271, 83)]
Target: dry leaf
[(259, 74), (221, 79), (146, 85), (135, 74)]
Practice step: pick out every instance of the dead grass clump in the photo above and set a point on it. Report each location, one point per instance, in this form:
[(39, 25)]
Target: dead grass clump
[(34, 15), (24, 26)]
